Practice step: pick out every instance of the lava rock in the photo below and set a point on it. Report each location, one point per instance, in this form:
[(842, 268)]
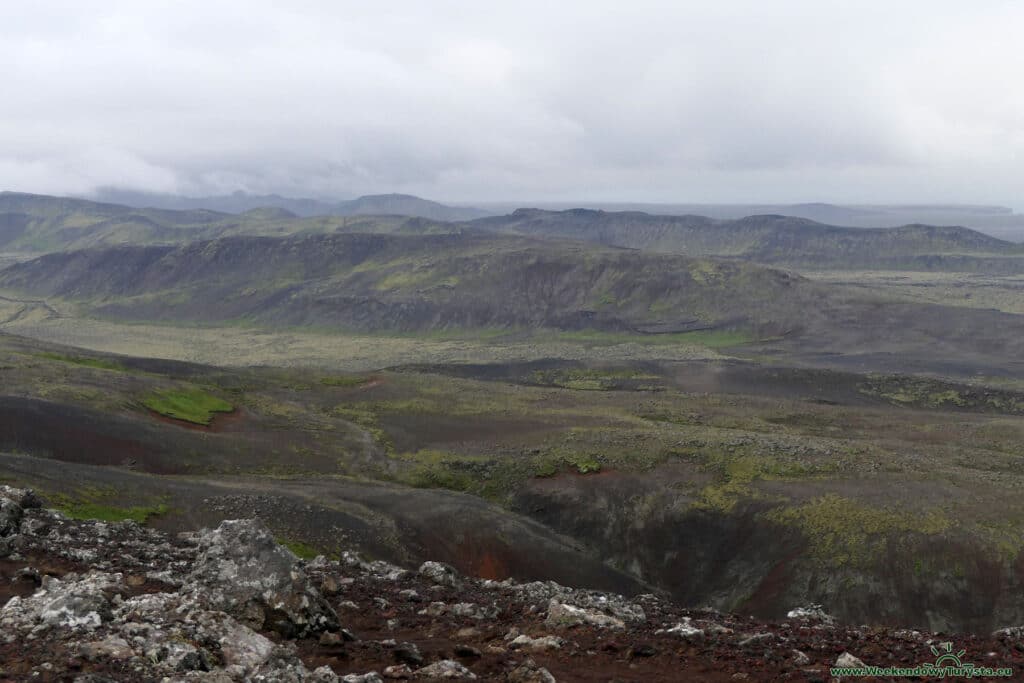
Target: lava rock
[(564, 616), (241, 569), (446, 668), (847, 660), (10, 517), (467, 652), (441, 574), (529, 672), (408, 653), (811, 613), (537, 644), (687, 631)]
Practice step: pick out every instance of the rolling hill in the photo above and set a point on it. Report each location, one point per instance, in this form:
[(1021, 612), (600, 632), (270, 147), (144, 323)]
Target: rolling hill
[(240, 202), (42, 223), (478, 283), (39, 223), (773, 239), (403, 205), (418, 282)]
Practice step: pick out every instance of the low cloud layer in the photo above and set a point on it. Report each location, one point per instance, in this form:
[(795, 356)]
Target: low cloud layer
[(645, 101)]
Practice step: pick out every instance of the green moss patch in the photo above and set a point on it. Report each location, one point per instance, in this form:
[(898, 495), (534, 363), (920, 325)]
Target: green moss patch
[(100, 363), (843, 531), (110, 513), (368, 420), (344, 381), (191, 405), (736, 474), (924, 392), (595, 380), (301, 549), (710, 339), (444, 470)]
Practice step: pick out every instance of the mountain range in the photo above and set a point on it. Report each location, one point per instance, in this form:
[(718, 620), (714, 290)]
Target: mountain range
[(36, 223), (240, 202)]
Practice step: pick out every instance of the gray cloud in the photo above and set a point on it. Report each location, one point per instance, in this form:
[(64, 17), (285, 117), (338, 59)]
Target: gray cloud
[(691, 101)]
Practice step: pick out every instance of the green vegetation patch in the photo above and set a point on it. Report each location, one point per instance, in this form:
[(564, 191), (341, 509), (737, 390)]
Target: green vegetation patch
[(110, 513), (417, 277), (100, 363), (923, 392), (94, 503), (582, 463), (711, 339), (368, 420), (736, 475), (191, 405), (1004, 534), (443, 470), (716, 339), (842, 531), (707, 272), (594, 380), (301, 549), (344, 381)]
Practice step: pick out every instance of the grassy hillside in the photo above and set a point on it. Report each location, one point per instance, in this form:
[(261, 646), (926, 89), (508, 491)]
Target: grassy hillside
[(40, 223), (37, 223), (241, 202), (404, 205), (774, 239), (477, 285), (420, 282)]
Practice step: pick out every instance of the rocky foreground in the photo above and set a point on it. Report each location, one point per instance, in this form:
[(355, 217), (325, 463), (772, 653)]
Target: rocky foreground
[(93, 601)]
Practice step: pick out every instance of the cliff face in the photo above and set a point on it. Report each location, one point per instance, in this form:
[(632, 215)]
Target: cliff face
[(93, 601)]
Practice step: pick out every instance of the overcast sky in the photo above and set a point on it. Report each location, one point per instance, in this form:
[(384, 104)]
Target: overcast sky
[(763, 101)]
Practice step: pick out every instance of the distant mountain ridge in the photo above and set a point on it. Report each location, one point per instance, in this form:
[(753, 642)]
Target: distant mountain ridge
[(998, 221), (241, 202), (41, 223), (37, 223), (773, 239)]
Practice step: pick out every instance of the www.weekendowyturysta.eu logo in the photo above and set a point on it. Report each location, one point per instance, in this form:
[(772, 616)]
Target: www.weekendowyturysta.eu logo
[(947, 664)]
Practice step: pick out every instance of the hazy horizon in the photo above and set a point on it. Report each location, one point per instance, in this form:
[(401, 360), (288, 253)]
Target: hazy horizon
[(698, 102), (110, 194)]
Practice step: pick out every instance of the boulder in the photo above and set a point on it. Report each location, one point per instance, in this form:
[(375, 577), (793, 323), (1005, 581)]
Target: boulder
[(473, 611), (111, 647), (408, 653), (25, 498), (687, 631), (324, 674), (529, 672), (564, 616), (848, 661), (446, 668), (441, 574), (536, 644), (76, 603), (10, 517), (757, 640), (1009, 633), (242, 570), (811, 613), (371, 677)]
